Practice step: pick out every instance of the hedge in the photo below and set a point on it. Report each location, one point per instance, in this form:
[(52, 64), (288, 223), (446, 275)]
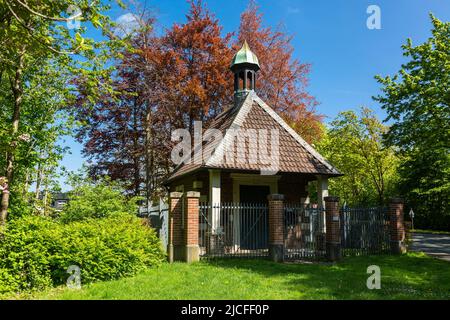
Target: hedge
[(35, 252)]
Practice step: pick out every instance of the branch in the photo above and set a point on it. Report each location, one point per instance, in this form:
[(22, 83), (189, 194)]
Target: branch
[(30, 31), (45, 16)]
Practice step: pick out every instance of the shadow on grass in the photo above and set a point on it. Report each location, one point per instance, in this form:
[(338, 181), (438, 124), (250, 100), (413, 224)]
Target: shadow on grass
[(410, 276)]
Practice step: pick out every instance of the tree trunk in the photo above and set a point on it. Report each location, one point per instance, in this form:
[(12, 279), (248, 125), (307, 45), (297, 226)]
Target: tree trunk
[(137, 155), (45, 197), (17, 89), (148, 157), (38, 182)]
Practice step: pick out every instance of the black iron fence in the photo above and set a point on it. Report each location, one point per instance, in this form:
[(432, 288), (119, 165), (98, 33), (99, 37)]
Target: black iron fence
[(241, 230), (364, 231), (233, 230), (304, 232)]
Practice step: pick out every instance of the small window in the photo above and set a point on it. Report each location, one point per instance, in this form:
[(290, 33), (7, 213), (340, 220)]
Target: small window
[(249, 80), (241, 80)]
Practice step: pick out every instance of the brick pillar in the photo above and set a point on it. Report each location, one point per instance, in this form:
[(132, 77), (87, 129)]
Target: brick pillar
[(397, 227), (276, 227), (333, 228), (176, 241), (192, 226)]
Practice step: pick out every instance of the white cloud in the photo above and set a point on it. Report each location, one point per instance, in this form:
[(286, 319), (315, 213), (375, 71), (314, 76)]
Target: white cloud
[(126, 24)]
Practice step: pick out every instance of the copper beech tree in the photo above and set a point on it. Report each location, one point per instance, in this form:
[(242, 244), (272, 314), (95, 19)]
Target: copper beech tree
[(164, 83)]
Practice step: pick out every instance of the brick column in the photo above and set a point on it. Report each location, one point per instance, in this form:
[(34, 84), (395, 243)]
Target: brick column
[(176, 241), (276, 227), (192, 226), (397, 227), (333, 228)]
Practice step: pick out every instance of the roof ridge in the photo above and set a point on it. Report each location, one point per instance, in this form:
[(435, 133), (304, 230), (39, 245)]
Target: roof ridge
[(201, 146), (219, 150)]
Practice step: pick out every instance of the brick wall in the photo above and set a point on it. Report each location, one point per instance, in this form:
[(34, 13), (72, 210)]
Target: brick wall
[(332, 220), (397, 226), (333, 225), (276, 219), (192, 214), (292, 186)]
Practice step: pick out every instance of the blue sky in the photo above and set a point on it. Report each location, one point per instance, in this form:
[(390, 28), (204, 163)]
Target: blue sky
[(330, 35)]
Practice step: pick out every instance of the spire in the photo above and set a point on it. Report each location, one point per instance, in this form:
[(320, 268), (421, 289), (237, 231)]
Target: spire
[(245, 56)]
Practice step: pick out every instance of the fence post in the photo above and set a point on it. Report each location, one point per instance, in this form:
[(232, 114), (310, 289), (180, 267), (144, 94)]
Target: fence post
[(333, 228), (397, 228), (192, 226), (276, 227), (175, 247)]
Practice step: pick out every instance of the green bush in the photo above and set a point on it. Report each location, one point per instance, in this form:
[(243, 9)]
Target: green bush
[(24, 254), (99, 200), (35, 252)]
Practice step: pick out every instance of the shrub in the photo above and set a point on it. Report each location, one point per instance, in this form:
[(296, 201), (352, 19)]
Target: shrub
[(35, 252), (98, 200)]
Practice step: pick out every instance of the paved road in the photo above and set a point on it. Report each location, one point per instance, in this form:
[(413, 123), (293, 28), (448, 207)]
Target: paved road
[(433, 244)]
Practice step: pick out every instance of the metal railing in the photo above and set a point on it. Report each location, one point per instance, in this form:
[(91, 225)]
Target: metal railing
[(304, 232), (233, 230), (241, 230), (364, 231), (159, 219)]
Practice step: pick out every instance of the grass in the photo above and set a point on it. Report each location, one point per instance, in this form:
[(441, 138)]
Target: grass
[(410, 276)]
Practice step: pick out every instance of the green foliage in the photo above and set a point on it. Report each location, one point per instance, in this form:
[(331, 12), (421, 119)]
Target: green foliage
[(353, 143), (417, 100), (35, 252), (40, 55), (98, 200), (41, 124)]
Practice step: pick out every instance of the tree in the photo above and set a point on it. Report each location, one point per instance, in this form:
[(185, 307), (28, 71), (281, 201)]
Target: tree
[(354, 144), (282, 80), (196, 83), (417, 101), (33, 35), (165, 83), (124, 134), (41, 124), (94, 200)]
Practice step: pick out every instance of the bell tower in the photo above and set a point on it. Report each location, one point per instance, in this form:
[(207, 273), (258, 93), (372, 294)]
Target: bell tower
[(244, 65)]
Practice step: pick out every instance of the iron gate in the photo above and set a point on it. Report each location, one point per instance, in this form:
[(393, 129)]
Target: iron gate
[(364, 231), (233, 230), (304, 232)]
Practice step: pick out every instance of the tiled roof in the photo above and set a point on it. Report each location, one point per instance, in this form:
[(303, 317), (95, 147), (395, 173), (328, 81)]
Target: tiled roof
[(295, 155)]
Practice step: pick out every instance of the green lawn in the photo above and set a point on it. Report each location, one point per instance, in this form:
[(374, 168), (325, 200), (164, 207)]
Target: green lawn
[(411, 276)]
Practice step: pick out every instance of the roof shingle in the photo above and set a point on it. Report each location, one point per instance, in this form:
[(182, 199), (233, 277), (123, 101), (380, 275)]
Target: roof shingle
[(295, 155)]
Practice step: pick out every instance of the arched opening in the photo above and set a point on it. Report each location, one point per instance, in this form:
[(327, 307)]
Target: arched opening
[(249, 80), (241, 81)]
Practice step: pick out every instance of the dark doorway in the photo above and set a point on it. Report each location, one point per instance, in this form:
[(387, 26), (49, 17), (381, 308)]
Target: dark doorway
[(253, 194), (254, 217)]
